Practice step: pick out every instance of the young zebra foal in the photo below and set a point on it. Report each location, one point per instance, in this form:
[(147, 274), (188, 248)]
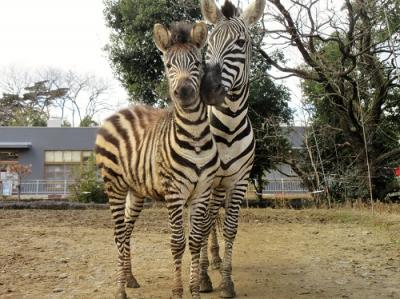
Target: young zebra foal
[(164, 154)]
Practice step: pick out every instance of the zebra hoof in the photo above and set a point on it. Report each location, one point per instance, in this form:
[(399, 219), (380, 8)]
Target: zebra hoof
[(177, 293), (205, 284), (132, 283), (121, 294), (227, 290)]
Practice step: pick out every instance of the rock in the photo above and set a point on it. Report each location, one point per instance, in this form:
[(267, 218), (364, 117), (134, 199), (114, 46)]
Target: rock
[(58, 290), (341, 281), (64, 260), (366, 232), (365, 274), (63, 275)]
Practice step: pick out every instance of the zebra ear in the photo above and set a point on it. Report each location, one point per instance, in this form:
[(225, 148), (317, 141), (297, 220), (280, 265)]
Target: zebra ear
[(199, 34), (210, 11), (254, 12), (162, 37)]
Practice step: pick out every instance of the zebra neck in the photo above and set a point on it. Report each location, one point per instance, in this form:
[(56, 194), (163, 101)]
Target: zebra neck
[(229, 116), (191, 126)]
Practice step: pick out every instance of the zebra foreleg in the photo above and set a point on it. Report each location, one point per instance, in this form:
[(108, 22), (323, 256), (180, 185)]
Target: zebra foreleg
[(134, 206), (200, 221), (178, 243), (117, 198), (227, 289), (214, 248), (216, 202)]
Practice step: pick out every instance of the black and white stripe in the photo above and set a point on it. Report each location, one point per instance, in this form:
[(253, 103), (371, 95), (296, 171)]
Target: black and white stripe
[(228, 59), (163, 154)]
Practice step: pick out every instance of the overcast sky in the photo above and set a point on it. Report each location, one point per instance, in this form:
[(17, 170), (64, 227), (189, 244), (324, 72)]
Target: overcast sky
[(66, 34)]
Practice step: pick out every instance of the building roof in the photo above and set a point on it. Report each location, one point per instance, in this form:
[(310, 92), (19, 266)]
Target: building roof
[(15, 144), (295, 135)]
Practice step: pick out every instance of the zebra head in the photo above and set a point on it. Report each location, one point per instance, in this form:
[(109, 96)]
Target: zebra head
[(181, 47), (229, 48)]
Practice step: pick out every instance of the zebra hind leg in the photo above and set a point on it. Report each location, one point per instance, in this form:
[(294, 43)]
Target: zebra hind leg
[(134, 206), (227, 288)]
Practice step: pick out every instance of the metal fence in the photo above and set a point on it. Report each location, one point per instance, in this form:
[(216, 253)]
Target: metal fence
[(32, 187), (64, 187), (285, 186)]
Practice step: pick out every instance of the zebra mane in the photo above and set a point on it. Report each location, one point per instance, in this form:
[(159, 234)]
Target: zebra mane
[(229, 10), (180, 33)]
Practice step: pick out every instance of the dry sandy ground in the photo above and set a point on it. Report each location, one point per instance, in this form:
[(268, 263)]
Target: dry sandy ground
[(278, 254)]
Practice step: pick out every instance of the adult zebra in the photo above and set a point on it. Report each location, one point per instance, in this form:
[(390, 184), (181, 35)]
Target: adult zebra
[(164, 154), (226, 85)]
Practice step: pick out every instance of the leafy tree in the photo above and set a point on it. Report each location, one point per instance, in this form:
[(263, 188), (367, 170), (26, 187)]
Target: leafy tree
[(87, 121), (89, 188), (138, 65), (132, 52), (270, 116)]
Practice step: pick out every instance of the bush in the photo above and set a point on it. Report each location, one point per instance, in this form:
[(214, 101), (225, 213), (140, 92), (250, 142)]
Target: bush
[(89, 187)]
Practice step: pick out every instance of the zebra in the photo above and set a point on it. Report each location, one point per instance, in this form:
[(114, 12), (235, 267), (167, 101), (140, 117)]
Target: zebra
[(226, 85), (163, 154)]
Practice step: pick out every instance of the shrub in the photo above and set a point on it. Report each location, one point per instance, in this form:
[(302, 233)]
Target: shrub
[(89, 187)]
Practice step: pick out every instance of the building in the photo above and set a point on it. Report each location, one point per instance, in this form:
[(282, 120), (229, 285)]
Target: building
[(54, 153)]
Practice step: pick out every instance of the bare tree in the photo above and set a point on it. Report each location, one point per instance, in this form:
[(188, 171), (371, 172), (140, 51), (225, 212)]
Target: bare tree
[(348, 55), (82, 96)]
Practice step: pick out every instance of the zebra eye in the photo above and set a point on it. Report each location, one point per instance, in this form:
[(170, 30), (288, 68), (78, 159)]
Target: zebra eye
[(240, 42), (197, 63), (168, 65)]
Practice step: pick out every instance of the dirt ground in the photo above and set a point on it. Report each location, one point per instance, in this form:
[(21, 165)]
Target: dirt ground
[(278, 254)]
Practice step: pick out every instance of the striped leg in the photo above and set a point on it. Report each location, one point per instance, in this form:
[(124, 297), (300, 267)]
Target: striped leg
[(214, 249), (200, 226), (216, 202), (134, 206), (117, 197), (227, 289), (178, 243)]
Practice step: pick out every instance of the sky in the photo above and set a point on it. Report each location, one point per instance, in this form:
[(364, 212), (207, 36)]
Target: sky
[(65, 34)]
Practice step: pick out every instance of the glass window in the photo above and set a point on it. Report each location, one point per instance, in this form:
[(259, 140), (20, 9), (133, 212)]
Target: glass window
[(64, 165), (76, 156), (49, 156), (58, 156), (86, 155), (67, 156)]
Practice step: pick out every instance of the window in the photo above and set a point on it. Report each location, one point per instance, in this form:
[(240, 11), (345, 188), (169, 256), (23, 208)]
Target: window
[(8, 157), (64, 165)]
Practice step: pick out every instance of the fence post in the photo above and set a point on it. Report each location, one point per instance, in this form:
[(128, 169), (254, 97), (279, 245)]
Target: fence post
[(37, 187)]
